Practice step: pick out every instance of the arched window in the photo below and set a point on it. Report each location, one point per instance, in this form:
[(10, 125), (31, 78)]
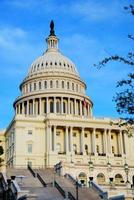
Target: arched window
[(39, 85), (82, 178), (58, 107), (51, 84), (34, 86), (51, 106), (101, 178), (57, 84), (62, 84), (72, 86), (118, 179), (45, 84), (68, 85)]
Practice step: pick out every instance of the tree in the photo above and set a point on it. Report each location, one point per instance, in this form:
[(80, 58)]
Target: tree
[(124, 99)]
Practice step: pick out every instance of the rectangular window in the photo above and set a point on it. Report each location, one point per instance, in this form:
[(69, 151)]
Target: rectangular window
[(74, 134), (58, 133), (30, 132), (85, 134), (29, 148)]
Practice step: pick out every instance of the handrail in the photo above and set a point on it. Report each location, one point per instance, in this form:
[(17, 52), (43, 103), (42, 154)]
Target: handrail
[(60, 189), (70, 196), (31, 170), (119, 197), (41, 180), (72, 179), (101, 193)]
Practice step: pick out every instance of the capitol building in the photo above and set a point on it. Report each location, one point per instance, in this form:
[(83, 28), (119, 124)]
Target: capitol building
[(54, 123)]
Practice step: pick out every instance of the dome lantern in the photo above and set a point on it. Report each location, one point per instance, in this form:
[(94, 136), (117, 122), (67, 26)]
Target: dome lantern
[(52, 40)]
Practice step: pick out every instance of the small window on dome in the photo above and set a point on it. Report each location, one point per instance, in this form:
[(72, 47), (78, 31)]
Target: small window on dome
[(34, 67), (68, 65), (42, 64), (68, 85), (39, 85), (64, 64), (50, 63), (34, 86), (46, 63), (55, 63), (62, 84), (60, 63), (38, 66), (51, 84), (72, 86), (45, 84)]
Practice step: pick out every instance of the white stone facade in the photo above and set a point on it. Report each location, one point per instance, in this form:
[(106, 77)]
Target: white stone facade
[(53, 122)]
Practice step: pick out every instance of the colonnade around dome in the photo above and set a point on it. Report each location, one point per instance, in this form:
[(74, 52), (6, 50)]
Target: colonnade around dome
[(53, 104)]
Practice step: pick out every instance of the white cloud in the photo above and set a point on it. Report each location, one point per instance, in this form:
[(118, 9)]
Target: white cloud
[(96, 10), (10, 35)]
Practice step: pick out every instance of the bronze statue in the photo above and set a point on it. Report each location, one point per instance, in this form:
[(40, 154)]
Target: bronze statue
[(52, 28)]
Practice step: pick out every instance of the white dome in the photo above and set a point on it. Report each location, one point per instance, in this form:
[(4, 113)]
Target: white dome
[(53, 61)]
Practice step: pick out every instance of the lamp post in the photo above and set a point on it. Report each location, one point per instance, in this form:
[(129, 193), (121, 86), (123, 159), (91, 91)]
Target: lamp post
[(91, 165), (126, 168), (90, 181), (109, 166)]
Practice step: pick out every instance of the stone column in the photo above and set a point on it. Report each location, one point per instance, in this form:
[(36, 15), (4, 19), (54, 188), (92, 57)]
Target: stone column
[(94, 141), (47, 104), (33, 106), (40, 106), (109, 141), (121, 143), (105, 141), (54, 104), (69, 106), (61, 105), (23, 112), (50, 137), (27, 107), (71, 139), (54, 139), (75, 108), (19, 108), (66, 140), (82, 141), (80, 108)]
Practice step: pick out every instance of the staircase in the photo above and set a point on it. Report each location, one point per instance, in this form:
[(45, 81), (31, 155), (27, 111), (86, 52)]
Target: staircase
[(84, 193), (30, 183)]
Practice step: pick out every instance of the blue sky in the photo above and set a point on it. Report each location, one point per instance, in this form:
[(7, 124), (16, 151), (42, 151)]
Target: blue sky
[(89, 30)]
